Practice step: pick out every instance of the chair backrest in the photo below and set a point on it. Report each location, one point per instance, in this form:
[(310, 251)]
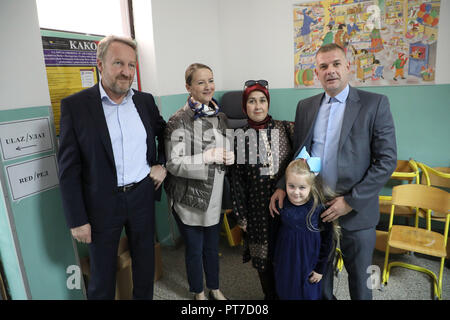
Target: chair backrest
[(406, 170), (231, 105), (421, 196), (437, 176)]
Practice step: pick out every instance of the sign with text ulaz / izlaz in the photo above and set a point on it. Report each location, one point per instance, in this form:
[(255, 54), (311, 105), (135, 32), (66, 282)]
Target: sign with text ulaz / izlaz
[(36, 247), (25, 137)]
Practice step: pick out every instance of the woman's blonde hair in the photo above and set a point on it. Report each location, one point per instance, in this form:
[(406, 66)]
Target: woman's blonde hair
[(191, 69)]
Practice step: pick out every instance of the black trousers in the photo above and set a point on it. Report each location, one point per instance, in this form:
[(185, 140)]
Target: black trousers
[(267, 280), (136, 212)]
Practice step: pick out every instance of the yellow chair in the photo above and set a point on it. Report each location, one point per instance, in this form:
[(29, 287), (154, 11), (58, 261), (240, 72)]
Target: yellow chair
[(418, 239), (436, 177), (234, 235), (406, 171)]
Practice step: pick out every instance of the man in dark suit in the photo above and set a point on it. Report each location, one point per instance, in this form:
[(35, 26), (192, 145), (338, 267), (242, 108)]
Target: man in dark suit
[(110, 171), (353, 133)]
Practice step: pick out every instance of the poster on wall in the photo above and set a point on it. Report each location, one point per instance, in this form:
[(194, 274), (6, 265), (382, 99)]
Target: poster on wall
[(71, 65), (387, 42)]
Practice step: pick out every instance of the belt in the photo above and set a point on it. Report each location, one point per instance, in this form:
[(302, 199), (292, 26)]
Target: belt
[(130, 186)]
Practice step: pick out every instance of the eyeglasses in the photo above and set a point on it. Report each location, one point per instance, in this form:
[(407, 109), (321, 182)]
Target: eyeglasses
[(250, 83)]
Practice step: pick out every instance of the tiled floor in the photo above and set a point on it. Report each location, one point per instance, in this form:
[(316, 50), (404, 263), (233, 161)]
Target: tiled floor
[(239, 281)]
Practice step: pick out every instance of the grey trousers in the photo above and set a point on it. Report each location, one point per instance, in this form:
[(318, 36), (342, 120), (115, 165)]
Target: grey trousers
[(357, 252)]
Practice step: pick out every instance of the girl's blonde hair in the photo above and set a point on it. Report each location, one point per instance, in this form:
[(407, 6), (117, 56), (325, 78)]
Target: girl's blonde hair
[(320, 193)]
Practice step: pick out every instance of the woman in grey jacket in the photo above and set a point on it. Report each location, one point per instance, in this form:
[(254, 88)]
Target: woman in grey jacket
[(196, 153)]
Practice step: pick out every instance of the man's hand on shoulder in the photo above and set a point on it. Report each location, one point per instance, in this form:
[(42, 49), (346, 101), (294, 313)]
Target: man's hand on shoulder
[(277, 197)]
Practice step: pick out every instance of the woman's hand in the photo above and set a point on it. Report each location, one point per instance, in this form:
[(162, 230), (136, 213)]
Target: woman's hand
[(228, 158), (243, 228), (214, 155)]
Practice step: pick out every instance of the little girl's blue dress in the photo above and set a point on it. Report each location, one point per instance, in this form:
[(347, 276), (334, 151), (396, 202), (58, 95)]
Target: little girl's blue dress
[(299, 251)]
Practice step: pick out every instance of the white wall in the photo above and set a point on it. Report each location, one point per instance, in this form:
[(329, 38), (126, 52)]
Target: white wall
[(240, 40), (24, 81), (143, 23), (256, 38), (110, 16), (184, 32)]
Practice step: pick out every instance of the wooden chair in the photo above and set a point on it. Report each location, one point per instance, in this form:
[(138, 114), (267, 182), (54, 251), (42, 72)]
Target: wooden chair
[(418, 239), (436, 177), (406, 171), (234, 234)]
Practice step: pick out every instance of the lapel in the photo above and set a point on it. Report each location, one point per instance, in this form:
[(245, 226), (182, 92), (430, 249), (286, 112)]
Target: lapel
[(140, 105), (95, 107), (351, 112), (310, 118)]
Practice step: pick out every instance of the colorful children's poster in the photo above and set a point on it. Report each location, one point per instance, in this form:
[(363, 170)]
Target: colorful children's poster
[(387, 42)]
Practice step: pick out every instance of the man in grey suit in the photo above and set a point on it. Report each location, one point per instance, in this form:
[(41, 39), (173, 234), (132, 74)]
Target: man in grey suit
[(353, 133)]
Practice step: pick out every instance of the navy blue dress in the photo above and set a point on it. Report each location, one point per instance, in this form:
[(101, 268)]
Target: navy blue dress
[(299, 251)]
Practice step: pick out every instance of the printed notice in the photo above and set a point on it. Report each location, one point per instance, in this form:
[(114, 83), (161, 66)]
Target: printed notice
[(25, 137), (31, 177), (87, 78)]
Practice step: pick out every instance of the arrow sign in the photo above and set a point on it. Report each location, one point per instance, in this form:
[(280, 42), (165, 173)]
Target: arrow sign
[(20, 148), (14, 137)]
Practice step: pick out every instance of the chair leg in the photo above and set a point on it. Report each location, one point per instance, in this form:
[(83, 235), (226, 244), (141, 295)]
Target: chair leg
[(385, 268), (441, 272), (228, 230)]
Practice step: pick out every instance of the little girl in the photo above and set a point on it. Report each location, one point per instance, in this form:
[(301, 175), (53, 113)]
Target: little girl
[(304, 242)]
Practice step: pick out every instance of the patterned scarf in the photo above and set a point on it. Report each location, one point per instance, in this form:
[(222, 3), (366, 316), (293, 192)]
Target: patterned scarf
[(202, 110)]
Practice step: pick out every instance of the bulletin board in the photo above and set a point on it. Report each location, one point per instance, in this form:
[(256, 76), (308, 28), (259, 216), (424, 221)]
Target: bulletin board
[(71, 65), (387, 42)]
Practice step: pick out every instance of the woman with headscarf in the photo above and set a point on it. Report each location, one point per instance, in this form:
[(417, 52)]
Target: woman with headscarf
[(263, 150)]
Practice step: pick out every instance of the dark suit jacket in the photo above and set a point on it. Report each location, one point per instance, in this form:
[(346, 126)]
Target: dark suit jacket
[(367, 153), (87, 172)]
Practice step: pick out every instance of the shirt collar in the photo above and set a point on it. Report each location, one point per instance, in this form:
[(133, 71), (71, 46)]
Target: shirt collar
[(341, 97), (104, 96)]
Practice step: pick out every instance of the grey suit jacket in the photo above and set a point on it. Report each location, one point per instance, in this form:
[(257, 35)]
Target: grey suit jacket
[(367, 153)]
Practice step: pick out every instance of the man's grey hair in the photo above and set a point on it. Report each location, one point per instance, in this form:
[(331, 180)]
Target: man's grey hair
[(104, 44)]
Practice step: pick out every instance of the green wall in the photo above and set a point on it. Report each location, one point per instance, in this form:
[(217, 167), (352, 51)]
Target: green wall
[(421, 115)]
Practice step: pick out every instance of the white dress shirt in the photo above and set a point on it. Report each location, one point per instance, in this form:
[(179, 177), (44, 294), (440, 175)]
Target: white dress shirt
[(128, 138), (327, 132)]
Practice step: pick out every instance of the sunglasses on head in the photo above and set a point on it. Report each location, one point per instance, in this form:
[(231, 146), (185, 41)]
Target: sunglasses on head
[(250, 83)]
